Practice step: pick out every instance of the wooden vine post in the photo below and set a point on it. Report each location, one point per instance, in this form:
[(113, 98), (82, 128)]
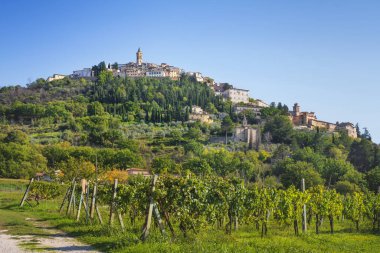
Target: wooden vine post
[(93, 200), (67, 195), (83, 184), (121, 221), (304, 218), (112, 206), (99, 215), (71, 198), (148, 219), (92, 209), (26, 192), (159, 220), (87, 206), (74, 204)]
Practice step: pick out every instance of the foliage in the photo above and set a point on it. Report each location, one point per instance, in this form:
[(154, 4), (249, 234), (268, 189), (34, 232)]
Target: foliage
[(354, 207), (280, 128), (44, 191)]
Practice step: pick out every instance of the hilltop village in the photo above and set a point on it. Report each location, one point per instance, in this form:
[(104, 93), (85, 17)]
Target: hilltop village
[(239, 98)]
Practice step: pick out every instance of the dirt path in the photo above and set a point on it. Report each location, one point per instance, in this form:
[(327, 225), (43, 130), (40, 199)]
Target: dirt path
[(53, 241), (9, 244)]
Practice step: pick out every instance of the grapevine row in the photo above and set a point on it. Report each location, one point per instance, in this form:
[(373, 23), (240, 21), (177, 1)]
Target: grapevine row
[(193, 203)]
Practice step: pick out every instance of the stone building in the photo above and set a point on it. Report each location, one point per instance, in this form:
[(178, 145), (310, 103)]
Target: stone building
[(197, 114), (196, 109), (315, 124), (55, 77), (309, 120), (238, 108), (349, 128), (173, 73), (197, 76), (255, 107), (145, 69), (299, 118), (132, 70), (247, 134), (261, 103)]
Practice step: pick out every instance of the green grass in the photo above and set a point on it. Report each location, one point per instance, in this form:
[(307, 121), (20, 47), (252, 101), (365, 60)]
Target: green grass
[(247, 239)]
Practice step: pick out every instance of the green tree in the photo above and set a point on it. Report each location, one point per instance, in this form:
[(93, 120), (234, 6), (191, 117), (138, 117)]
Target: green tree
[(362, 154), (198, 166), (334, 170), (373, 179), (95, 109), (354, 208), (17, 136), (227, 125), (163, 165), (221, 161), (345, 187), (115, 66), (194, 147), (194, 133), (280, 128), (292, 172)]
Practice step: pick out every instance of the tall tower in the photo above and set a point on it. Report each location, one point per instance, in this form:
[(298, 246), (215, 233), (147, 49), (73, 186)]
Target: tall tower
[(296, 109), (139, 56)]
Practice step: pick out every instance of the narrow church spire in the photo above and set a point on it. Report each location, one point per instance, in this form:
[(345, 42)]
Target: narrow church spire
[(245, 123)]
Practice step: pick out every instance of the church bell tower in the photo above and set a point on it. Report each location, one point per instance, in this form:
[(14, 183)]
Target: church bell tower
[(139, 56)]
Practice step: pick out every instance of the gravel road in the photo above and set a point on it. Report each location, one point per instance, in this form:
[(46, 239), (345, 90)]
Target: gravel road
[(54, 241), (8, 244)]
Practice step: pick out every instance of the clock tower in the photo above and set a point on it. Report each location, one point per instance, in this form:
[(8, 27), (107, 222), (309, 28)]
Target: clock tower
[(139, 56)]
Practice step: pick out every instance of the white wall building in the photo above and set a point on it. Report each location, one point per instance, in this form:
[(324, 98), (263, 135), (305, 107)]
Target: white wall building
[(196, 109), (197, 75), (155, 73), (261, 103), (55, 77), (86, 72), (241, 108), (173, 72), (237, 95)]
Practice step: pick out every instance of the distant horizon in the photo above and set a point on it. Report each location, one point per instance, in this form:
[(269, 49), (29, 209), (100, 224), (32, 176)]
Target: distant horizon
[(322, 55)]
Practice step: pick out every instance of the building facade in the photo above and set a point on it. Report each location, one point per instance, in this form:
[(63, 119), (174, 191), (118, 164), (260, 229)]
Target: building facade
[(309, 120), (86, 72), (299, 118), (261, 103), (237, 95), (197, 76), (197, 114), (238, 108), (349, 128), (318, 124), (155, 73), (247, 134), (55, 77), (144, 69)]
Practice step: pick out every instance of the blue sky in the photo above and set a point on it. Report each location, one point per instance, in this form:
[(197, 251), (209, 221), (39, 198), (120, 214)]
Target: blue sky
[(322, 54)]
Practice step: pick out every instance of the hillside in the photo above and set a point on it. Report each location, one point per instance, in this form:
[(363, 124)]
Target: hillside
[(64, 126)]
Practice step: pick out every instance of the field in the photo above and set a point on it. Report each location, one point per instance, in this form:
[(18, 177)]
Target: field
[(246, 239)]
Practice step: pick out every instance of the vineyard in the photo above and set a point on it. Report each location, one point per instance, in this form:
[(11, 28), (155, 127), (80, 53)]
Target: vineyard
[(180, 206)]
